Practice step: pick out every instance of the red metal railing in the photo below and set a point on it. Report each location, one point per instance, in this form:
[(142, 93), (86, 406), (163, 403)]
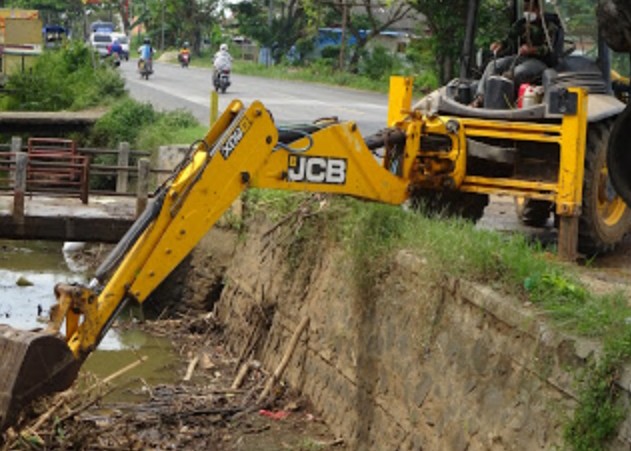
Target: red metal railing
[(53, 167)]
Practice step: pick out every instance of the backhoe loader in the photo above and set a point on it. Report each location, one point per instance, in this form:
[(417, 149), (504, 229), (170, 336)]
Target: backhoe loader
[(439, 152)]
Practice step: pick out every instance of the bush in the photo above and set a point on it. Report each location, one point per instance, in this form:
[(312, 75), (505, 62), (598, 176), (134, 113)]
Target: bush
[(122, 122), (165, 129), (65, 78), (378, 64), (331, 52)]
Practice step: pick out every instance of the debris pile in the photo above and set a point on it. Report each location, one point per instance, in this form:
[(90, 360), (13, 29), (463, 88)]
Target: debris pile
[(220, 403)]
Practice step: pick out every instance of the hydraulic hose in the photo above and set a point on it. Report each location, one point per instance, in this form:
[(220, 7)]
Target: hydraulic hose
[(131, 236)]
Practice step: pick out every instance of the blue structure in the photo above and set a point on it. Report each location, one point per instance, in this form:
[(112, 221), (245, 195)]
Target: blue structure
[(54, 35), (333, 36)]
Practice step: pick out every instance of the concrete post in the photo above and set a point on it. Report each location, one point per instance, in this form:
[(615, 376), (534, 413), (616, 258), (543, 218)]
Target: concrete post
[(21, 164), (123, 174), (143, 185), (16, 144)]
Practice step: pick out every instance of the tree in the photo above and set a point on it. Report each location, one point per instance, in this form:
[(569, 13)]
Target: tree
[(368, 24), (447, 19), (176, 21), (278, 28), (51, 10)]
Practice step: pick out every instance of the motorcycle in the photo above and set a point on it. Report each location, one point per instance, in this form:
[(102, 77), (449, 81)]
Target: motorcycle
[(144, 69), (115, 60), (222, 80), (184, 59)]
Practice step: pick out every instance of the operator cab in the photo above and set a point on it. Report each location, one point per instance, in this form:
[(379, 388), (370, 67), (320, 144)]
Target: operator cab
[(583, 60)]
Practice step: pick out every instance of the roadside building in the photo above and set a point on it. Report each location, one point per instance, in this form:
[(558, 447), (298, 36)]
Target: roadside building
[(20, 40)]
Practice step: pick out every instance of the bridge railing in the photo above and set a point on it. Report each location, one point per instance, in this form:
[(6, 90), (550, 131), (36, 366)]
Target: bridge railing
[(51, 171)]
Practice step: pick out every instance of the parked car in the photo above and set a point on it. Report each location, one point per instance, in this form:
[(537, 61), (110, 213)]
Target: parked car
[(123, 40), (100, 42)]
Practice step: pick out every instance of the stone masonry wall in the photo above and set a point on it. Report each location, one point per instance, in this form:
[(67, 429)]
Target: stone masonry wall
[(417, 365)]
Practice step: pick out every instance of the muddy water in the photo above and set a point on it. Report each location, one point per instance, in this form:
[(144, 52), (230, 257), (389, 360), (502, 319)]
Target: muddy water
[(43, 264)]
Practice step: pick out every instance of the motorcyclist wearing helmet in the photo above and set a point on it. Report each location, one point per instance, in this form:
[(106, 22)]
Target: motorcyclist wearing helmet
[(146, 55), (184, 56), (115, 52), (115, 47), (221, 61)]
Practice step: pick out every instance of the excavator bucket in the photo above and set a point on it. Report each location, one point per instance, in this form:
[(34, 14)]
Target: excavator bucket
[(32, 364)]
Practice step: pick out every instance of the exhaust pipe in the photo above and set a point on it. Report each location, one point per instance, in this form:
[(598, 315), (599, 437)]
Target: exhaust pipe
[(619, 155)]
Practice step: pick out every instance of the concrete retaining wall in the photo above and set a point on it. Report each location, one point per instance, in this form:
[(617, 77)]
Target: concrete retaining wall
[(414, 364)]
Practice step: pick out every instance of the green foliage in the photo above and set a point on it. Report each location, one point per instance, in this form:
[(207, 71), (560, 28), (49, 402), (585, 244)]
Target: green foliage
[(278, 31), (275, 204), (447, 22), (64, 78), (330, 52), (174, 21), (378, 64), (123, 122), (166, 129), (138, 124), (420, 56), (143, 128), (569, 302), (598, 414)]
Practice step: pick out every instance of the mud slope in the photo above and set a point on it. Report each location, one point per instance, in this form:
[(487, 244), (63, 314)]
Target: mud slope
[(410, 364)]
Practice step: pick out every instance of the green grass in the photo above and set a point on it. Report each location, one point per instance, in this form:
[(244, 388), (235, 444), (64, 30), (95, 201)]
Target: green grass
[(320, 71), (373, 232)]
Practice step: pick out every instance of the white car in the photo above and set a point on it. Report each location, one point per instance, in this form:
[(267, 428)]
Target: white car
[(123, 40), (100, 42)]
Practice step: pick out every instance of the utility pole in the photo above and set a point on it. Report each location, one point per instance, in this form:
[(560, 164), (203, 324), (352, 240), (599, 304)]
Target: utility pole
[(343, 43), (270, 21), (162, 29)]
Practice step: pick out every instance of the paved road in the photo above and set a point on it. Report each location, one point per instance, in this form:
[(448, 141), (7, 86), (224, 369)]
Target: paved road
[(173, 87)]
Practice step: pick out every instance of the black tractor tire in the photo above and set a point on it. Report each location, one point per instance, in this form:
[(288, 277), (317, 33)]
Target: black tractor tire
[(468, 206), (605, 218), (614, 20), (619, 155), (533, 212)]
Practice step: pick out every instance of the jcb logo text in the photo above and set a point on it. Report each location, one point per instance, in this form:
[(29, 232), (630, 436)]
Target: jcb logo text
[(317, 170)]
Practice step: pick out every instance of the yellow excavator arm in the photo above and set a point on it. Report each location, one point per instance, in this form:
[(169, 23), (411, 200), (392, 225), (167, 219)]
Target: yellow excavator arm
[(243, 149)]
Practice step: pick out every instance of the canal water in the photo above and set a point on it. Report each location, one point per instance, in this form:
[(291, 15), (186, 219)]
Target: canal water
[(28, 274)]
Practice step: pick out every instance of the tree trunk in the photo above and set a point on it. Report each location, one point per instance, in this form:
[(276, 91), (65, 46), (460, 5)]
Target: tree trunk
[(614, 18)]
